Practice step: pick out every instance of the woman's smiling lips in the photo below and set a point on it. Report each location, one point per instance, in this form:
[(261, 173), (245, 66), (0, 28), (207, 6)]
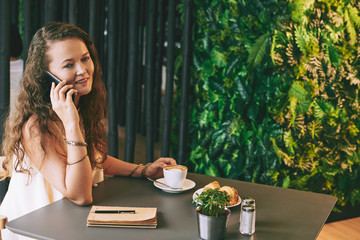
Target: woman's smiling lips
[(82, 81)]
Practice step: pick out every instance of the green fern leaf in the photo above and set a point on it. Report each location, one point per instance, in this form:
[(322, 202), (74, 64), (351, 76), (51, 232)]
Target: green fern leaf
[(197, 61), (206, 43), (300, 94), (292, 109), (314, 128), (241, 89), (319, 113), (288, 159), (354, 16), (289, 142), (286, 182), (297, 91), (334, 56), (301, 38), (350, 28), (298, 7), (322, 109), (218, 58), (354, 196), (207, 68), (301, 183), (333, 34), (258, 51), (233, 63), (212, 171), (304, 106), (276, 148), (272, 48), (209, 15)]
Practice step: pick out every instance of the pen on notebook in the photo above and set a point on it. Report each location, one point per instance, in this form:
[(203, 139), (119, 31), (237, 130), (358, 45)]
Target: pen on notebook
[(114, 211)]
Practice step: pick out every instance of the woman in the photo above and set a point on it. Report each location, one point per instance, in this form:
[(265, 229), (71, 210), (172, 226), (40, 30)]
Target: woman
[(53, 145)]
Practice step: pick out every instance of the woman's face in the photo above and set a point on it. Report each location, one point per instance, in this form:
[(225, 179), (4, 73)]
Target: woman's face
[(70, 61)]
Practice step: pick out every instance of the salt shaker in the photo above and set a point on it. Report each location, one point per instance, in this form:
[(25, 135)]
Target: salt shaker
[(247, 219)]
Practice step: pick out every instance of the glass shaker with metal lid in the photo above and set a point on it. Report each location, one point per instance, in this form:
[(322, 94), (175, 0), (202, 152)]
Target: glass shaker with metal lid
[(247, 219)]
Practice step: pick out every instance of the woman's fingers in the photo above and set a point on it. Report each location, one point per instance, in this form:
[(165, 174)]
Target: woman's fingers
[(167, 161), (61, 90), (70, 93), (59, 86), (54, 92), (155, 169)]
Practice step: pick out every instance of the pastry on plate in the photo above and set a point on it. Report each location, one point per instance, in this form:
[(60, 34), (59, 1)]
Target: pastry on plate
[(232, 192), (212, 185)]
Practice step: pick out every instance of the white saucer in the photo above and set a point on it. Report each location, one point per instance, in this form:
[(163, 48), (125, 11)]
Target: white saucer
[(199, 191), (188, 184)]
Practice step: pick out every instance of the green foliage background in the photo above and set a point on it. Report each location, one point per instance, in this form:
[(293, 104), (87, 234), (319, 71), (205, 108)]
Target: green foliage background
[(276, 93)]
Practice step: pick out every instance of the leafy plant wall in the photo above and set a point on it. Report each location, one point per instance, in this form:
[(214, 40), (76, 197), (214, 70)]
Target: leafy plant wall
[(275, 93), (231, 129), (318, 102)]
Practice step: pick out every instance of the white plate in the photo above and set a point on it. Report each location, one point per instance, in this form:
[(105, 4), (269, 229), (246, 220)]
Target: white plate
[(188, 184), (199, 191)]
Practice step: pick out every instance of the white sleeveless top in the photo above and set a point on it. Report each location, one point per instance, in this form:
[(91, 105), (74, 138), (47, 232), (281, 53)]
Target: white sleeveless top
[(26, 195)]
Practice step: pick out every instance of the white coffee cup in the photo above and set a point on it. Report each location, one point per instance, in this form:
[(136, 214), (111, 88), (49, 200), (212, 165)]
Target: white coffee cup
[(175, 175)]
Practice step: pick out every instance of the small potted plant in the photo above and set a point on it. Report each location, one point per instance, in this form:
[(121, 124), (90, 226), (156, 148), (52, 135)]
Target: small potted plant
[(212, 213)]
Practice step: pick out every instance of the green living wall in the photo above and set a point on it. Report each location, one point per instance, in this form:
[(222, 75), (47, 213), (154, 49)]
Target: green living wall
[(275, 93)]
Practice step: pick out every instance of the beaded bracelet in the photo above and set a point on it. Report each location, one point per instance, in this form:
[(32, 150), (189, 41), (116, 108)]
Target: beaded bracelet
[(143, 172), (78, 160), (135, 169), (74, 143)]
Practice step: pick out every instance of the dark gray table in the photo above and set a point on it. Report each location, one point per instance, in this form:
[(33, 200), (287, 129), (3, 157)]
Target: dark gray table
[(281, 213)]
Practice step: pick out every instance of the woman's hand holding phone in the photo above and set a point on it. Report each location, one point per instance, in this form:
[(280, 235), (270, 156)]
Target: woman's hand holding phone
[(53, 79), (62, 104)]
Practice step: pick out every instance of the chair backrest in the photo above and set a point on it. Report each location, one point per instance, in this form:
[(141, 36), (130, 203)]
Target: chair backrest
[(3, 184), (3, 221), (3, 189)]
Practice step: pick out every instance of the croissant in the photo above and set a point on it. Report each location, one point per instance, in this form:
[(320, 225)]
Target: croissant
[(232, 192), (212, 185)]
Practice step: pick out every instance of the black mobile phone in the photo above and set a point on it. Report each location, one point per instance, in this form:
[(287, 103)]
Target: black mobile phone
[(52, 78)]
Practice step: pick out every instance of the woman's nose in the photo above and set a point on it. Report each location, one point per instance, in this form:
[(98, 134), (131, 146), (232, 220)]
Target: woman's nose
[(80, 69)]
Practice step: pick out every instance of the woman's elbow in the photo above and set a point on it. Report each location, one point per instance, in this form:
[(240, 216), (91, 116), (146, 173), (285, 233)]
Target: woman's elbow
[(82, 201)]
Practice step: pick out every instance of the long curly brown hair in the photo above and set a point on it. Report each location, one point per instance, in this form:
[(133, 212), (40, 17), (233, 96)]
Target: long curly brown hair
[(34, 100)]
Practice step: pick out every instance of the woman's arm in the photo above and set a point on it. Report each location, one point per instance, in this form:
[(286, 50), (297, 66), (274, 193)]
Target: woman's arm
[(73, 181), (70, 173), (113, 166)]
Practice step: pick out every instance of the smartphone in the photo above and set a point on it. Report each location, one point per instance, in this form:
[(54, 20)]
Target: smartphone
[(52, 78)]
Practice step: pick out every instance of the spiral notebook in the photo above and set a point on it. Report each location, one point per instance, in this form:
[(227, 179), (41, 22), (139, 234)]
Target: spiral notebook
[(125, 217)]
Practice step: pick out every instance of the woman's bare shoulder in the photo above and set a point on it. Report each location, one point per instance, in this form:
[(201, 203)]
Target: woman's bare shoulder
[(30, 128)]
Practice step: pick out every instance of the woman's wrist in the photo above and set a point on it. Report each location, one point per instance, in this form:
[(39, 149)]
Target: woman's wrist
[(72, 127), (139, 171), (143, 171), (73, 134), (134, 170)]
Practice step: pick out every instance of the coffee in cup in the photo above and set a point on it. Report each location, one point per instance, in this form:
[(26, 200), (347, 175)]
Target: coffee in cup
[(175, 175)]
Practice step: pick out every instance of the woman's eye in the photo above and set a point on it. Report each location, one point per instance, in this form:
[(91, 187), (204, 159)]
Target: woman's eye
[(68, 65), (85, 59)]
